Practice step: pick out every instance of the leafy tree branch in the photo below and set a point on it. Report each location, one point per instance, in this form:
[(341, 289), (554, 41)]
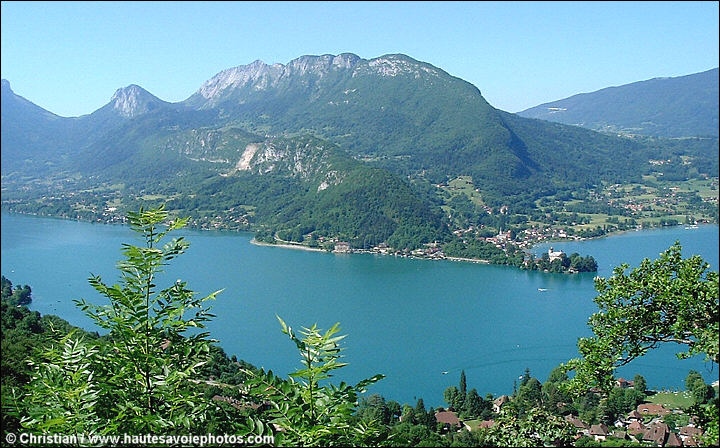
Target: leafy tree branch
[(306, 411), (670, 299)]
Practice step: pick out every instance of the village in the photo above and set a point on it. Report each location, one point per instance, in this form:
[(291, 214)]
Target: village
[(645, 425)]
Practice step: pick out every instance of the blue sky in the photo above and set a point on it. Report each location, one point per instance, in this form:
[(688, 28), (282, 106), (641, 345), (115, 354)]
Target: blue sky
[(70, 57)]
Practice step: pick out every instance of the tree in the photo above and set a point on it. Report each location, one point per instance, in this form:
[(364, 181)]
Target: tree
[(692, 377), (374, 408), (452, 397), (409, 434), (704, 406), (639, 384), (308, 411), (619, 402), (555, 400), (63, 396), (408, 414), (529, 395), (463, 383), (536, 428), (700, 391), (474, 405), (420, 410), (140, 379), (670, 299), (394, 409), (19, 295), (424, 416)]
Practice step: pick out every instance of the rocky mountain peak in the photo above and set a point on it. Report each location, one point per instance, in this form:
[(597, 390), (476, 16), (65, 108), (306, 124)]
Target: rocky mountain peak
[(320, 65), (133, 100), (257, 73), (397, 64), (261, 76)]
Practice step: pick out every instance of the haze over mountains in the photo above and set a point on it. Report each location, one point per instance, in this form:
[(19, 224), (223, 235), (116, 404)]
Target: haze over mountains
[(681, 106), (313, 145)]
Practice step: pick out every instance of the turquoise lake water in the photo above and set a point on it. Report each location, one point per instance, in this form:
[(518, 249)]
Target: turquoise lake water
[(408, 319)]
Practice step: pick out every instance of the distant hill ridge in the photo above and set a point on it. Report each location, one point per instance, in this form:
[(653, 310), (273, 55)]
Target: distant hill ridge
[(683, 106)]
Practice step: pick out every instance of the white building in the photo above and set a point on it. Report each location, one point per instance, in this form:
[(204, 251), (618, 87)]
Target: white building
[(555, 255)]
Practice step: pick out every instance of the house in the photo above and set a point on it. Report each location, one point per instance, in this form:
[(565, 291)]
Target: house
[(673, 440), (342, 247), (487, 424), (580, 426), (449, 420), (689, 435), (652, 409), (555, 255), (634, 415), (624, 384), (599, 432), (383, 248), (657, 434), (499, 402), (636, 427)]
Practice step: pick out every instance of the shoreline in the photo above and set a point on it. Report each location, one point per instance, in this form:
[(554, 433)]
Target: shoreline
[(527, 250), (287, 246), (468, 260), (299, 246), (316, 249)]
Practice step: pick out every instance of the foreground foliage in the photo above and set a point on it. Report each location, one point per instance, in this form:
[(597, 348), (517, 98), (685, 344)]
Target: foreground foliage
[(137, 381), (307, 410), (670, 299)]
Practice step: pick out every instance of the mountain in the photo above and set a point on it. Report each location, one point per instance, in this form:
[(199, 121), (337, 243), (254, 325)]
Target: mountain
[(684, 106), (32, 138), (332, 146), (394, 112), (133, 101)]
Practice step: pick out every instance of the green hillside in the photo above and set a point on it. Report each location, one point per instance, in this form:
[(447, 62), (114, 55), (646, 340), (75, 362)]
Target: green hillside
[(684, 106)]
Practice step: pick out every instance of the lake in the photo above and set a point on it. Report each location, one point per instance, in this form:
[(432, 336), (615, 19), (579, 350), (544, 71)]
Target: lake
[(409, 319)]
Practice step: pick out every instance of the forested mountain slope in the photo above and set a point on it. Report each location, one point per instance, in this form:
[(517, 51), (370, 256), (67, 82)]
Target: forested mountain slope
[(683, 106)]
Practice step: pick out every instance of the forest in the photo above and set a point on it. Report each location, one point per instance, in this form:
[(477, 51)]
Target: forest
[(155, 370)]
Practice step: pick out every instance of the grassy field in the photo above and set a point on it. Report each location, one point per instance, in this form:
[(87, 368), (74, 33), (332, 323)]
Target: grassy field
[(464, 185), (672, 400)]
